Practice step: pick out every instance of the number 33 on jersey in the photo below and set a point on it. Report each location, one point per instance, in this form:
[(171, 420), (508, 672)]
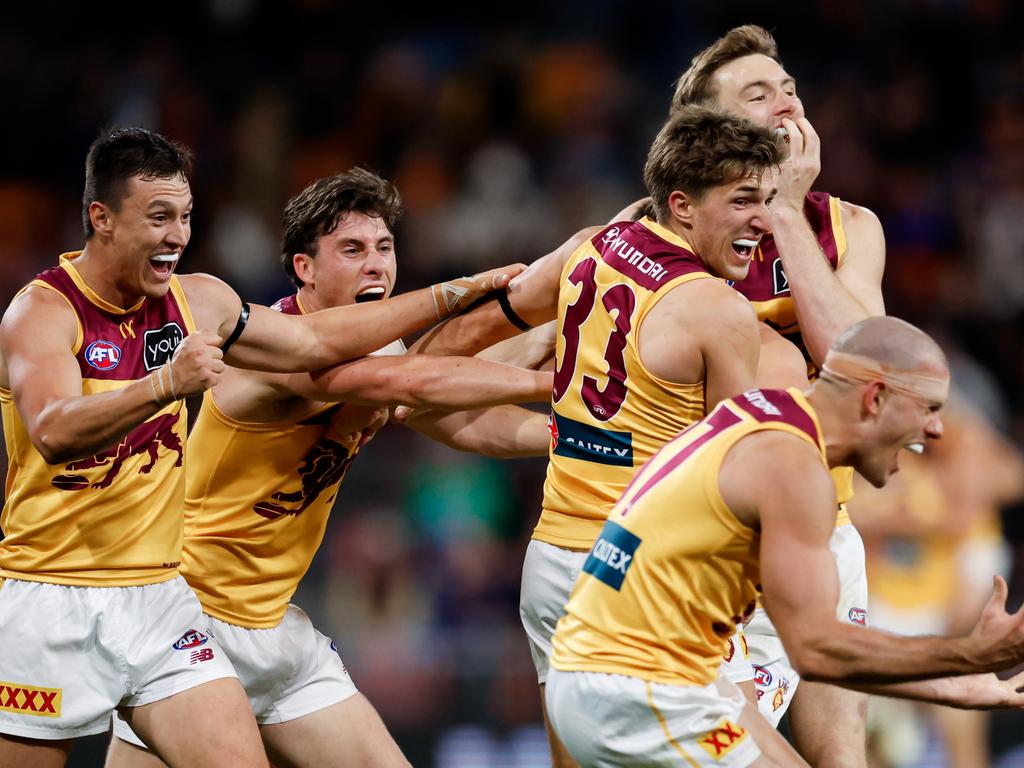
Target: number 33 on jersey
[(609, 413)]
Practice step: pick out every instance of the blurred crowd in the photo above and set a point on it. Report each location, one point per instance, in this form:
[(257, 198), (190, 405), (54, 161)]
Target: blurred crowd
[(506, 129)]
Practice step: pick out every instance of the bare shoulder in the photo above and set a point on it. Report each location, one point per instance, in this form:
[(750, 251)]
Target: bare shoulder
[(774, 459), (37, 308), (214, 303), (858, 220), (713, 302)]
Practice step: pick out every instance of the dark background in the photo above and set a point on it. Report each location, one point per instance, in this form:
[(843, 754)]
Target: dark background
[(507, 128)]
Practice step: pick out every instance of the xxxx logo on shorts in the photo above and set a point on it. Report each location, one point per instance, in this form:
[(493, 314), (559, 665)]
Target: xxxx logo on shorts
[(723, 739), (29, 700)]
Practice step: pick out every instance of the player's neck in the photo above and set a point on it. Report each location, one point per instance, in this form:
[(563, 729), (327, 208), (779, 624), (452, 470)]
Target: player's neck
[(836, 426), (99, 270)]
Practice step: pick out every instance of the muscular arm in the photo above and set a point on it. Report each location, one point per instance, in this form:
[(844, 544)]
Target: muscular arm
[(422, 381), (827, 302), (505, 431), (36, 340), (275, 342), (801, 587), (533, 296)]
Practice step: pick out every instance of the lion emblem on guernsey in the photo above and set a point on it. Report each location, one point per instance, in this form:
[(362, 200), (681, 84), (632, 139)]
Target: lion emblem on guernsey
[(147, 438), (324, 466)]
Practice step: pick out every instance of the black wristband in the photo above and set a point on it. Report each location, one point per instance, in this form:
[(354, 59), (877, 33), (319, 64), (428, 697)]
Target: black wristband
[(510, 314), (243, 320)]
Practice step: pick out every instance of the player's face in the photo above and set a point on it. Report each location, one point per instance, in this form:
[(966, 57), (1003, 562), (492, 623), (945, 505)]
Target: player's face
[(355, 262), (728, 222), (904, 422), (149, 231), (759, 89)]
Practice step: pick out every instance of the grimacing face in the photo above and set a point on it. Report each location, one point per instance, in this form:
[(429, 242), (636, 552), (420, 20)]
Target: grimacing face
[(904, 422), (149, 231), (353, 263), (726, 224), (758, 88)]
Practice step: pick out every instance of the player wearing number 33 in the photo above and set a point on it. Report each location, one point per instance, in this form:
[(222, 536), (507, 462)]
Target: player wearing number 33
[(648, 339)]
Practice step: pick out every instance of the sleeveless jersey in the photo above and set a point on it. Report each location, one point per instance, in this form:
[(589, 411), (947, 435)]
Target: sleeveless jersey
[(674, 572), (609, 413), (767, 288), (258, 496), (114, 518)]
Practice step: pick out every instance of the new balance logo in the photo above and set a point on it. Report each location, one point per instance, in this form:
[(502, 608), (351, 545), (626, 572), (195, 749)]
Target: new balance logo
[(29, 700), (203, 654)]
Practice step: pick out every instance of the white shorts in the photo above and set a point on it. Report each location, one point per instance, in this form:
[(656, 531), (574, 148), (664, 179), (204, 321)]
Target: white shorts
[(614, 720), (72, 654), (549, 573), (736, 665), (287, 671), (774, 677)]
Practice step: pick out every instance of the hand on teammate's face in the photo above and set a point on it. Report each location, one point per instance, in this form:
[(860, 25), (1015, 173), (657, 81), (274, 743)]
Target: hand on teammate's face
[(803, 165), (197, 363)]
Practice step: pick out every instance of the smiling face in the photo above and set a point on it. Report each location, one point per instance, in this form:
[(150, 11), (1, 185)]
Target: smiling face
[(758, 88), (727, 222), (147, 232), (353, 263)]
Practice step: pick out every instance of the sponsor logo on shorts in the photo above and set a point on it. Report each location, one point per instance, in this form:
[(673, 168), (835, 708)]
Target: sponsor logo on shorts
[(723, 739), (576, 440), (31, 700), (159, 345), (859, 616), (103, 355), (203, 654), (612, 555), (762, 676), (191, 639)]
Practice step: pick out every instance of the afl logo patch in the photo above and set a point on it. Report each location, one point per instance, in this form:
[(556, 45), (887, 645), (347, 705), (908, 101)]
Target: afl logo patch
[(191, 639), (762, 676), (160, 344), (859, 616), (103, 355)]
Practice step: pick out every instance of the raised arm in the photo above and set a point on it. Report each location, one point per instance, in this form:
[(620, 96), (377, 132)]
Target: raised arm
[(801, 587), (272, 341), (37, 339), (504, 432), (533, 297), (827, 302)]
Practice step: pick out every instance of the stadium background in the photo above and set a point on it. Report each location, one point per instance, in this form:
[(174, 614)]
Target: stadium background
[(506, 129)]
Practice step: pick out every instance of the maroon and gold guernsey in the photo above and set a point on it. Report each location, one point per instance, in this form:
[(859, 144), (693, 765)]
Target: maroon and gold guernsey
[(258, 496), (674, 572), (114, 518), (767, 288)]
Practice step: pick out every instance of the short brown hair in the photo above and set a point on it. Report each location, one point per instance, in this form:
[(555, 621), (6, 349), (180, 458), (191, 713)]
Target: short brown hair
[(700, 148), (317, 210), (694, 85)]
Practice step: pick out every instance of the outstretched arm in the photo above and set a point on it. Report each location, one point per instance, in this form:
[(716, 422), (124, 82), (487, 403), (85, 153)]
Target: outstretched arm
[(827, 302), (533, 296), (505, 432), (422, 381), (272, 341), (801, 587)]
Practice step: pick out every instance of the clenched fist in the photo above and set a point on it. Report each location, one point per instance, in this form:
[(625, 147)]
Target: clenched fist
[(195, 366)]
